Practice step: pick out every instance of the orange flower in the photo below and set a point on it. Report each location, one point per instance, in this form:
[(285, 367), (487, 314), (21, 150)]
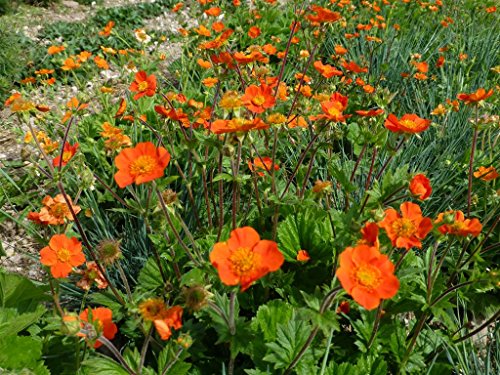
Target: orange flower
[(254, 32), (204, 64), (367, 275), (55, 210), (420, 186), (143, 85), (68, 152), (322, 15), (61, 255), (303, 256), (101, 63), (486, 174), (409, 123), (142, 163), (327, 70), (440, 62), (351, 66), (369, 235), (422, 67), (245, 258), (333, 108), (475, 97), (237, 125), (52, 50), (260, 165), (101, 318), (408, 229), (171, 318), (70, 64), (370, 112), (340, 50), (90, 276), (214, 12), (258, 98), (457, 225), (107, 29), (210, 81)]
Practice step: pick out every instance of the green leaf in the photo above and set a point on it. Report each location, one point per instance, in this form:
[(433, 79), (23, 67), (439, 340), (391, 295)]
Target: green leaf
[(19, 353), (2, 251), (20, 293), (11, 322), (102, 365), (290, 338), (150, 276), (269, 316)]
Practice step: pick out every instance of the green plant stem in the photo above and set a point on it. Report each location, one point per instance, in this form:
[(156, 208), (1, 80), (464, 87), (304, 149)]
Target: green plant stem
[(376, 325), (86, 242), (144, 349), (172, 227), (471, 161), (121, 272), (327, 301), (480, 328), (168, 366), (327, 352), (108, 344)]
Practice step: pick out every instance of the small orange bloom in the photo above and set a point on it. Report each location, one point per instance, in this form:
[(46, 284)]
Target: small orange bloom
[(61, 255), (210, 81), (237, 125), (101, 318), (214, 12), (204, 64), (440, 62), (476, 97), (322, 15), (261, 165), (121, 108), (486, 174), (245, 258), (56, 211), (70, 64), (142, 163), (369, 235), (420, 186), (367, 275), (107, 29), (143, 85), (303, 256), (90, 276), (258, 98), (340, 50), (370, 112), (254, 32), (409, 123), (52, 50), (68, 152), (408, 229), (457, 225), (101, 63), (351, 66), (171, 318), (326, 70), (333, 108)]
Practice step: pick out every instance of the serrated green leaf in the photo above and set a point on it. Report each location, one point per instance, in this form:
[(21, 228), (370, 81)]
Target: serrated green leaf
[(102, 365)]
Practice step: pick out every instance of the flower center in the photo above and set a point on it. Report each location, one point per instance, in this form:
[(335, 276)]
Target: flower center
[(334, 111), (243, 261), (404, 227), (410, 124), (143, 86), (63, 255), (66, 156), (458, 226), (145, 164), (368, 276), (259, 100), (59, 210)]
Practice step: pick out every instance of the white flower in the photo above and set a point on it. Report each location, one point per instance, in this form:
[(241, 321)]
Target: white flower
[(142, 36)]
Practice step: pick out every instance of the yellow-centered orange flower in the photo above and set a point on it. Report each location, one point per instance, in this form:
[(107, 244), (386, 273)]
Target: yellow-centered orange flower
[(409, 123), (408, 229), (61, 255), (245, 258), (367, 275), (455, 223), (258, 98), (475, 97), (142, 163)]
